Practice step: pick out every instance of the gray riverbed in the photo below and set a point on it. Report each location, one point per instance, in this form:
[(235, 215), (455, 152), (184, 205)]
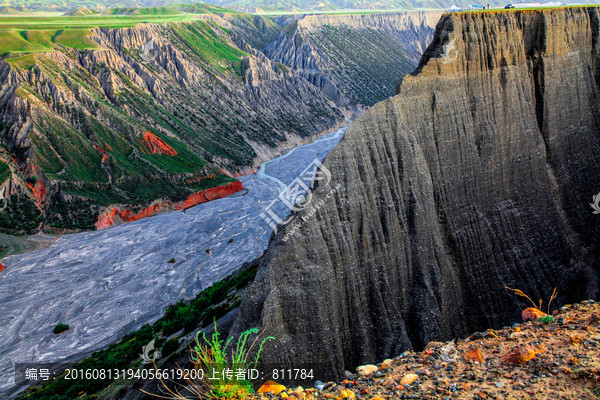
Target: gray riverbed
[(107, 283)]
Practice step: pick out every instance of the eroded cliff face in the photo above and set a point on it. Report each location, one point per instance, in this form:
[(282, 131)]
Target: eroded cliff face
[(477, 175), (74, 124), (357, 58)]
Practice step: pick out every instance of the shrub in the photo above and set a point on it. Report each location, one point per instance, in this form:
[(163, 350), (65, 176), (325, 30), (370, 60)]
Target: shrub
[(211, 354), (60, 328), (547, 319), (172, 260), (169, 347)]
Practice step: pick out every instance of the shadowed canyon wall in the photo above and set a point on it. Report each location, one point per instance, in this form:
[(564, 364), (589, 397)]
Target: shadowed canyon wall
[(477, 175), (355, 58)]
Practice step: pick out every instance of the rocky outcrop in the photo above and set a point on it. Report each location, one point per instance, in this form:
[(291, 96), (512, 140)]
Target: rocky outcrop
[(109, 218), (158, 146), (477, 175), (354, 58), (503, 364)]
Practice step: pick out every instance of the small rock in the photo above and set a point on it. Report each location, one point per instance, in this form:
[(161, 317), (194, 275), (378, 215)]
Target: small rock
[(532, 314), (520, 355), (365, 370), (409, 379), (346, 394), (271, 387), (490, 334), (474, 355)]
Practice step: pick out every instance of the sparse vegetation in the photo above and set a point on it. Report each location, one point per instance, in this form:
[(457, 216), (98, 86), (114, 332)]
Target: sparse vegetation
[(547, 319), (520, 293), (185, 317), (4, 172), (368, 62), (60, 328), (169, 347), (172, 260), (21, 216), (214, 354)]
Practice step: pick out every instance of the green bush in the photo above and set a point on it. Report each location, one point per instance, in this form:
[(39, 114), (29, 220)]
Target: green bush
[(213, 354), (60, 328), (169, 347)]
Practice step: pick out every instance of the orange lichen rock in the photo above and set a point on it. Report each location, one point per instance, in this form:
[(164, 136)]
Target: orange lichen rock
[(130, 216), (106, 219), (239, 174), (271, 387), (521, 355), (157, 146), (226, 173), (474, 354), (408, 379), (532, 314), (575, 340)]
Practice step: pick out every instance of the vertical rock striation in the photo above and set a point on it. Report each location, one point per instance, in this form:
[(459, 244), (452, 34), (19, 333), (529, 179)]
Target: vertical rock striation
[(477, 175), (355, 58)]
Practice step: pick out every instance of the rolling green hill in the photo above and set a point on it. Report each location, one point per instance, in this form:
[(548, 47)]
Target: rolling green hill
[(252, 6)]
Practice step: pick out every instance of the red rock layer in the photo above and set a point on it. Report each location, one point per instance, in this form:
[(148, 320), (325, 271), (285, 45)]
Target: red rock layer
[(157, 146), (108, 218), (238, 174), (226, 173), (39, 191)]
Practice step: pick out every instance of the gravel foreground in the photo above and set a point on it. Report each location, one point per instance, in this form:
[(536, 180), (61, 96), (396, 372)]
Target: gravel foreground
[(541, 359)]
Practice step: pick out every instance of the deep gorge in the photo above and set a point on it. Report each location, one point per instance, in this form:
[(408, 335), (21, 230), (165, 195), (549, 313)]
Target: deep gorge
[(478, 174)]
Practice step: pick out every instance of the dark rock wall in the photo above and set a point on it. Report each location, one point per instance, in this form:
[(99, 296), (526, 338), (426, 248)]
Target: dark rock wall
[(477, 175), (354, 58)]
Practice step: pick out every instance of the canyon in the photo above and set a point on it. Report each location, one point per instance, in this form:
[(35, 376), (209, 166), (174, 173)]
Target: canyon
[(77, 124), (103, 136), (110, 282), (155, 113), (476, 175)]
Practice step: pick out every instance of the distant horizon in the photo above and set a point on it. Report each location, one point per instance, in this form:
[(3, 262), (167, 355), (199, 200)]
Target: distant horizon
[(53, 8)]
